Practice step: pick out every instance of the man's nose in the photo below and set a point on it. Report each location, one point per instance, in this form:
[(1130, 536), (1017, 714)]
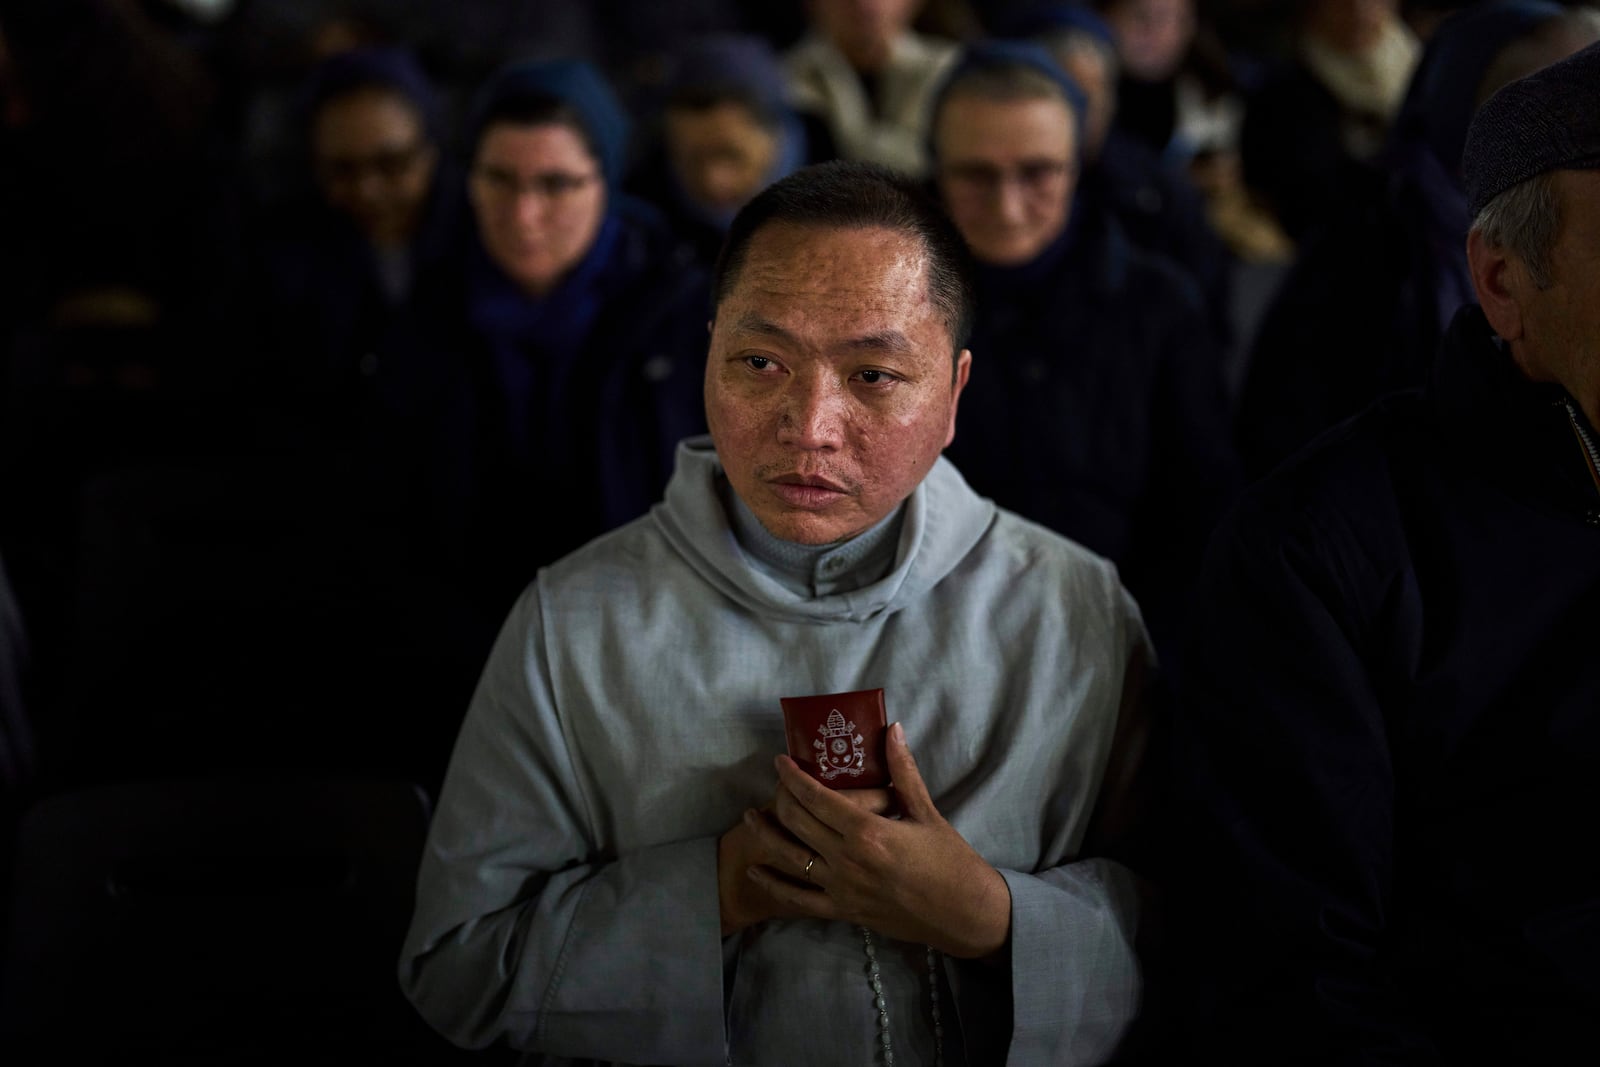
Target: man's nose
[(813, 415)]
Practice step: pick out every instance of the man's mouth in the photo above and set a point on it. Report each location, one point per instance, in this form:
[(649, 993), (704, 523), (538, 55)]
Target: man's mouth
[(807, 490), (810, 481)]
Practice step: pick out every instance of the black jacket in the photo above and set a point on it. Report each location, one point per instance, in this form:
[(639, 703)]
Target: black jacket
[(1357, 317), (632, 392), (1095, 407), (1292, 148), (1388, 750)]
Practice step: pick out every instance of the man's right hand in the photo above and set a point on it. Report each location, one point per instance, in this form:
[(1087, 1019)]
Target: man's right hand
[(743, 902)]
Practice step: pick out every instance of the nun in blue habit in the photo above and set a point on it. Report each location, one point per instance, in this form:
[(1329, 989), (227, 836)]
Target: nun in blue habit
[(724, 132), (1095, 406), (1156, 202), (349, 266), (585, 319)]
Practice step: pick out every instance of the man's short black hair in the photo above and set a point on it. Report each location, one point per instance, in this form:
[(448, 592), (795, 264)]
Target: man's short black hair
[(848, 195)]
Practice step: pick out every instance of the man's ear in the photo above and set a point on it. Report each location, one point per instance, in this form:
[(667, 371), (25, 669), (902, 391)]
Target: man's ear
[(1499, 281), (963, 370)]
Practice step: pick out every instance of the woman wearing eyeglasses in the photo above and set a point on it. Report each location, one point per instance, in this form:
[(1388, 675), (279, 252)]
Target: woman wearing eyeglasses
[(1095, 405), (344, 263), (588, 314), (350, 320)]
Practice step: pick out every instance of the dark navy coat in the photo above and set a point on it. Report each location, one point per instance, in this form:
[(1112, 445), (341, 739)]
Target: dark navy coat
[(431, 514), (630, 391), (1162, 211), (1095, 407)]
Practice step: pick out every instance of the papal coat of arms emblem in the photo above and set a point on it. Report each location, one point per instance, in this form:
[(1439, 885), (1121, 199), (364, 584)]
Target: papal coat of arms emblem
[(839, 751)]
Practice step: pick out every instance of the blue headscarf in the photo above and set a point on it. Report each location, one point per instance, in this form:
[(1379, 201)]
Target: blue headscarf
[(572, 82), (740, 62), (536, 343), (390, 68), (746, 65), (996, 54)]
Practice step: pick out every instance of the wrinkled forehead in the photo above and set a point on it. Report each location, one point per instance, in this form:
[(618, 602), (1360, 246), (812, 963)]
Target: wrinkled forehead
[(851, 252), (824, 285), (832, 267), (1578, 208)]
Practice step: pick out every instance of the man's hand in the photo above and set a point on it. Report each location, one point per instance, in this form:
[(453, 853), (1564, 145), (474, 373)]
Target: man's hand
[(759, 840), (913, 878)]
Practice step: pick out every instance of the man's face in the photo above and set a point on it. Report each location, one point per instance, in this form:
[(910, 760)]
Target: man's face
[(721, 153), (1561, 324), (539, 198), (374, 162), (1006, 172), (828, 385)]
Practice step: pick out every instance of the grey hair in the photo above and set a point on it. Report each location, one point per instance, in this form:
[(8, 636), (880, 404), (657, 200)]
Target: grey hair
[(1523, 220)]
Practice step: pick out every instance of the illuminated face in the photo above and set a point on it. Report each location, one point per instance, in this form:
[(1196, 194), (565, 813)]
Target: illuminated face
[(721, 154), (539, 198), (1152, 35), (828, 385), (374, 162), (1007, 169)]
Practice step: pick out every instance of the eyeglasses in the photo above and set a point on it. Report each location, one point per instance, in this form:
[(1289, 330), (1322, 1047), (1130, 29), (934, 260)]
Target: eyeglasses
[(551, 185), (390, 164), (1035, 178)]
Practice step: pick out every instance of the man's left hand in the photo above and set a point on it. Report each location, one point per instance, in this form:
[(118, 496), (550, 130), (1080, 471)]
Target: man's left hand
[(913, 878)]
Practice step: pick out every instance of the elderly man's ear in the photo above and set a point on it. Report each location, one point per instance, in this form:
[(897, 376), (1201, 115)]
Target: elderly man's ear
[(1501, 281)]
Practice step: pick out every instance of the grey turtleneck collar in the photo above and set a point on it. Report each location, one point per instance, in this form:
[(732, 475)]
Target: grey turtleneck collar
[(815, 570), (940, 522)]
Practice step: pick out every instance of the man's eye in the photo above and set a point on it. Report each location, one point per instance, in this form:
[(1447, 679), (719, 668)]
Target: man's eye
[(876, 377), (757, 362)]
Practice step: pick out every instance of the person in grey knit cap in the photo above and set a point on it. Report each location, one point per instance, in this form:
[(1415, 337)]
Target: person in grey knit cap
[(1531, 168), (1388, 747)]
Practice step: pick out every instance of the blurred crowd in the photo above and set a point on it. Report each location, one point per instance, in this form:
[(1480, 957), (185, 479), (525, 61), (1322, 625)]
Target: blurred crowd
[(325, 324)]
